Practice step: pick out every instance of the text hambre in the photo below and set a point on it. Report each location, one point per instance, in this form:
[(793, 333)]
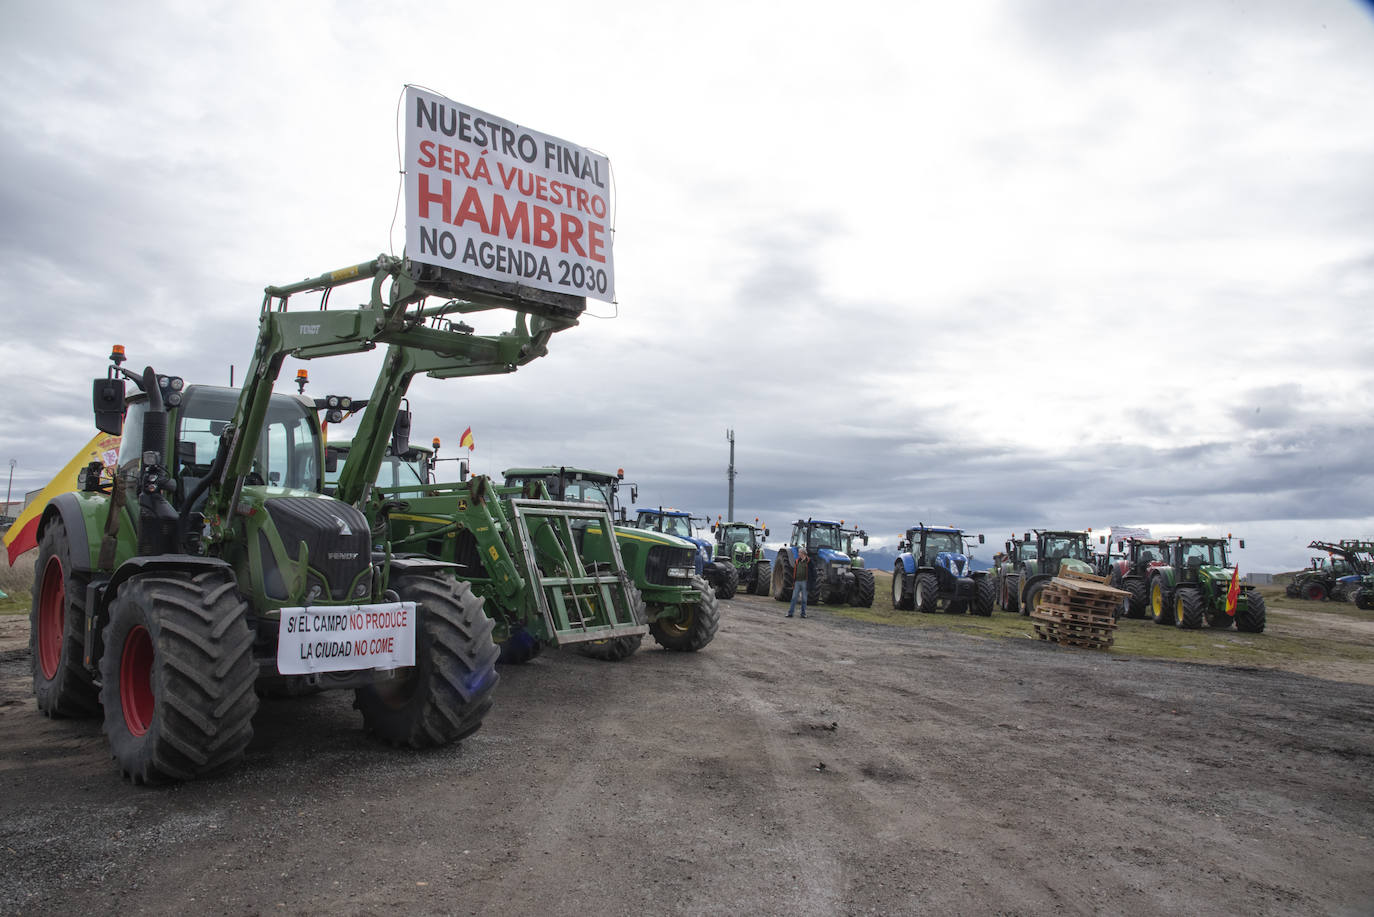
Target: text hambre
[(532, 224)]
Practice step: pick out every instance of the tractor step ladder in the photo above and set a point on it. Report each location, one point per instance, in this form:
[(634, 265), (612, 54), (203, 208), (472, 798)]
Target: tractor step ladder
[(579, 602)]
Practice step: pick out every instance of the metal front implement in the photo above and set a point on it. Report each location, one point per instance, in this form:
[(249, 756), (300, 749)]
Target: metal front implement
[(579, 602)]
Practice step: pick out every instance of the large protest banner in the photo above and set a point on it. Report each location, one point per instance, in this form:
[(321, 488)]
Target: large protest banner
[(488, 197)]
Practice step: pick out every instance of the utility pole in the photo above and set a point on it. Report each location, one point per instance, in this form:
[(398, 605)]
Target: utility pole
[(730, 474)]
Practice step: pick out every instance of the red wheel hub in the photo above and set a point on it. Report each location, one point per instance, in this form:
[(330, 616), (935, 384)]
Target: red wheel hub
[(136, 680), (52, 602)]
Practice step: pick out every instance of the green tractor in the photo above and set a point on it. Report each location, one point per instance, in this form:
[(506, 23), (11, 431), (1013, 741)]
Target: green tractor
[(839, 580), (1336, 576), (721, 575), (1005, 567), (1189, 587), (1034, 562), (214, 564), (522, 553), (741, 544), (679, 605)]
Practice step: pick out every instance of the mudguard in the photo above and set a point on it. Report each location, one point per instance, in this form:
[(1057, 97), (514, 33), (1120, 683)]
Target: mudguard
[(908, 562)]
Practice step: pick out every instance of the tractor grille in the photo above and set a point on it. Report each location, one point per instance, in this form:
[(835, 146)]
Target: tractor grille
[(335, 533), (661, 557)]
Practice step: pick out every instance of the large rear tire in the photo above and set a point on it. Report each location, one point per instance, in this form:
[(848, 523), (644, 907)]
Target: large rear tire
[(1314, 592), (57, 631), (1250, 619), (449, 690), (862, 594), (696, 626), (901, 589), (177, 676), (763, 577), (1188, 608), (1011, 595), (985, 596), (1033, 596), (927, 593)]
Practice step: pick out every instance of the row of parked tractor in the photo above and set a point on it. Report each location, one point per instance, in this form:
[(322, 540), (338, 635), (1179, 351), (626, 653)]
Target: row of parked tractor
[(1345, 574)]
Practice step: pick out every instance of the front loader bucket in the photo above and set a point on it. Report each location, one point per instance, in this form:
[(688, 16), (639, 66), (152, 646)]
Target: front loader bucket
[(579, 602)]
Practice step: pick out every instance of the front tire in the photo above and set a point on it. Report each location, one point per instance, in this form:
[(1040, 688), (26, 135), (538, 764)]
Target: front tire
[(1250, 620), (901, 589), (927, 593), (782, 577), (444, 697), (1033, 597), (1314, 592), (57, 631), (728, 583), (1188, 609), (1160, 606), (862, 594), (984, 598), (763, 577), (1139, 602), (177, 676), (696, 625)]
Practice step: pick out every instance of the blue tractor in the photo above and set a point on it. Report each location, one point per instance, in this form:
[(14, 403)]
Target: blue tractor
[(932, 573), (840, 579), (719, 573)]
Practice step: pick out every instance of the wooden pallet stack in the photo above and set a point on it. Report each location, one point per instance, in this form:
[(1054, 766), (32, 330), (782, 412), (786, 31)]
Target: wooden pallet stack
[(1078, 609)]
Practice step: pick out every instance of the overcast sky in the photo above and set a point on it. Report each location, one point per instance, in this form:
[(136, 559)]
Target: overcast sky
[(1035, 263)]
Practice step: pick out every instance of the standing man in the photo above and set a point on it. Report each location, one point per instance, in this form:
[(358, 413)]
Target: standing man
[(801, 573)]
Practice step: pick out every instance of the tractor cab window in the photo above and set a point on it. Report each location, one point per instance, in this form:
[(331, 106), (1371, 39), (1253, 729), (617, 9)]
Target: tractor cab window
[(1028, 550), (1065, 546), (287, 453), (943, 542), (676, 525), (584, 491), (740, 535), (823, 536)]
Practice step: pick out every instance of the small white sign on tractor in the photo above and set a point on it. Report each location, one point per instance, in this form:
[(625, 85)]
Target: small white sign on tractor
[(334, 638), (488, 197)]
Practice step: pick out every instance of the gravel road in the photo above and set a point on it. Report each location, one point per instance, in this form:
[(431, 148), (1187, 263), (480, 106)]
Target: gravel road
[(793, 767)]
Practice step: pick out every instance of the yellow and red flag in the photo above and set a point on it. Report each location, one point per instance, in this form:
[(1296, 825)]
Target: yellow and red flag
[(466, 440), (23, 535), (1233, 594)]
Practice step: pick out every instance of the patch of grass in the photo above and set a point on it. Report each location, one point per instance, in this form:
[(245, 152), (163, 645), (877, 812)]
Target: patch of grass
[(17, 581), (1145, 638), (1274, 598)]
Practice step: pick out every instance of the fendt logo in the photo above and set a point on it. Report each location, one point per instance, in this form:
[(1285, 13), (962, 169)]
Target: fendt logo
[(343, 555), (310, 329)]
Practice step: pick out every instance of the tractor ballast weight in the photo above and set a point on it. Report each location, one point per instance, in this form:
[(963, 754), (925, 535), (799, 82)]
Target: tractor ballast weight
[(932, 573), (679, 605), (164, 598), (1037, 558), (827, 544), (1189, 587), (741, 544)]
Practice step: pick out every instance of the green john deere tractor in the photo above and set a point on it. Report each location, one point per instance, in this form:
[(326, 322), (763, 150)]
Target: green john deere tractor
[(680, 606), (1037, 561), (741, 544), (214, 562), (1189, 587)]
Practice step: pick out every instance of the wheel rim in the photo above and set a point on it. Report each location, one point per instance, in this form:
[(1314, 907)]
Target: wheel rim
[(1178, 609), (896, 589), (920, 594), (1314, 593), (1157, 600), (136, 680), (52, 601), (682, 626)]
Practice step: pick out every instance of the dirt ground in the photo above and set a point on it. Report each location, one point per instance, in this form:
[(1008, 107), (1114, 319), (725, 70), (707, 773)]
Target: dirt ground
[(823, 766)]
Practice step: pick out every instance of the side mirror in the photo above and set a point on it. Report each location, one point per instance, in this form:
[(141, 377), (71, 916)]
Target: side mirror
[(1242, 542), (1026, 537), (980, 537), (865, 541), (400, 433), (331, 459), (634, 492), (107, 398), (1101, 539)]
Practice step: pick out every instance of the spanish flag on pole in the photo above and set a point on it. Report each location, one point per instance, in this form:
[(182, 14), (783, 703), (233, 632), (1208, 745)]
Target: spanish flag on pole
[(23, 535), (1233, 594), (466, 440)]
